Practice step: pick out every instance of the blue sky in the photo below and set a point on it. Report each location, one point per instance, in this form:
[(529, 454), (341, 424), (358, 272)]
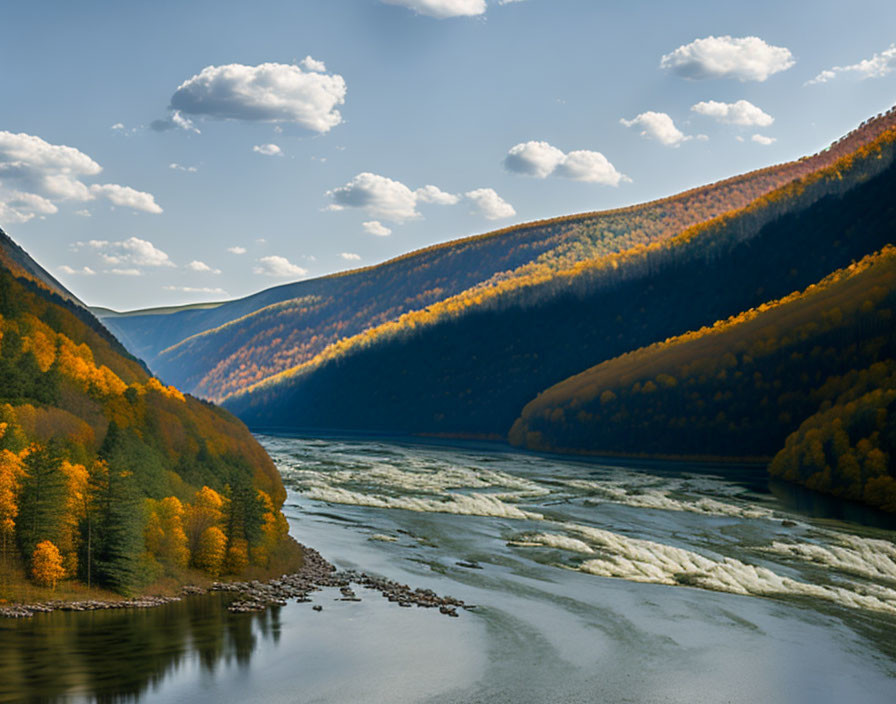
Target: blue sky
[(170, 191)]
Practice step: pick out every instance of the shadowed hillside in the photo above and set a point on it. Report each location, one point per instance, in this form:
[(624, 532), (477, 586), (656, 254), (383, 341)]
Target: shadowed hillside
[(742, 386), (469, 365)]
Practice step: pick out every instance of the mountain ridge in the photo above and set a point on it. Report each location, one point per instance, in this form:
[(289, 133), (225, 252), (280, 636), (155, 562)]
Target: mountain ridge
[(181, 345), (482, 360)]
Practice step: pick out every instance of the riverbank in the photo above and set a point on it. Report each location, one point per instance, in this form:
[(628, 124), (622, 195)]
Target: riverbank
[(258, 595)]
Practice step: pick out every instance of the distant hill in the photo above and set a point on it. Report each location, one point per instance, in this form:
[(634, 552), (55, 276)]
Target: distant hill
[(219, 350), (107, 476), (810, 378), (468, 365)]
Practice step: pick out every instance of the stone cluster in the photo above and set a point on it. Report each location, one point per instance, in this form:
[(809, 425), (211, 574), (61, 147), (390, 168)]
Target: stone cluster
[(28, 610), (316, 573)]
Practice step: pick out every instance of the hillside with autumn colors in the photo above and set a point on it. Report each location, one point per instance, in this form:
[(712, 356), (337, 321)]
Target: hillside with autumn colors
[(469, 365), (108, 477), (809, 379), (216, 351)]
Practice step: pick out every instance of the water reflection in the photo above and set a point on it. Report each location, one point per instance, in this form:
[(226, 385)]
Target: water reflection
[(116, 656), (793, 497)]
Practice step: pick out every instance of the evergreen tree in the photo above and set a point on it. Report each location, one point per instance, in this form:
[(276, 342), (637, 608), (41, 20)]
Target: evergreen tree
[(245, 515), (118, 528), (42, 502)]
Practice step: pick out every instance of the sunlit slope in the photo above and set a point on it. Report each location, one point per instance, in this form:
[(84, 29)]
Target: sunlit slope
[(128, 480), (216, 352), (735, 389), (470, 364)]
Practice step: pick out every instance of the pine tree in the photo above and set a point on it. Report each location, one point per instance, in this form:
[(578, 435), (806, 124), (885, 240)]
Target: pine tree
[(118, 530), (42, 501)]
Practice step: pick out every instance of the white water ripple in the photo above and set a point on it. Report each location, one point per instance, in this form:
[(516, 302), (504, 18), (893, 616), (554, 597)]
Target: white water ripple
[(459, 504), (639, 560)]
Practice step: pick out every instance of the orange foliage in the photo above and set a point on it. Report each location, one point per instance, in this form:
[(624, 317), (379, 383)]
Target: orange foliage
[(11, 473)]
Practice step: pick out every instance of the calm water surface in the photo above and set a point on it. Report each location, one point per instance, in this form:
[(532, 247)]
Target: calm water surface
[(594, 583)]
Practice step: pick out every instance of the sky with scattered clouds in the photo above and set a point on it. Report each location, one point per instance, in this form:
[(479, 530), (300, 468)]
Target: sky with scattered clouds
[(170, 152)]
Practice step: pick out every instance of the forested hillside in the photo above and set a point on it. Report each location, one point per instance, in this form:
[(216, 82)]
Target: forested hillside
[(469, 364), (218, 350), (107, 476), (742, 386)]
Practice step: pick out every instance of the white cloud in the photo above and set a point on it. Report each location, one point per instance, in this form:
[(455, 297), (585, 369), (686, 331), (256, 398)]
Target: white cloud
[(16, 206), (278, 267), (375, 227), (132, 251), (350, 256), (84, 213), (127, 197), (118, 126), (83, 271), (541, 159), (742, 113), (179, 167), (433, 194), (762, 139), (36, 175), (124, 272), (268, 92), (236, 250), (879, 65), (743, 58), (267, 149), (442, 8), (380, 196), (592, 167), (175, 121), (194, 289), (310, 64), (490, 204), (532, 158), (658, 126), (200, 266)]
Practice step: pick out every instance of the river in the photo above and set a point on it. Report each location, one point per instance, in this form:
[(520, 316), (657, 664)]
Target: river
[(614, 582)]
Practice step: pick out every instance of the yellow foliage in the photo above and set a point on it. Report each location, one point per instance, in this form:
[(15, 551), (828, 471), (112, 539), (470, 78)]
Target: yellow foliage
[(210, 552), (46, 564), (164, 535), (237, 556), (204, 513), (11, 473), (167, 391)]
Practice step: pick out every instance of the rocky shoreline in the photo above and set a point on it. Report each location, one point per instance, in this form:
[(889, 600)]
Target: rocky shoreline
[(316, 574)]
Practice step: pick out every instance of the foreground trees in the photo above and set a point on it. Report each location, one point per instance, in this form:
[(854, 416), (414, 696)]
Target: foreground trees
[(108, 476)]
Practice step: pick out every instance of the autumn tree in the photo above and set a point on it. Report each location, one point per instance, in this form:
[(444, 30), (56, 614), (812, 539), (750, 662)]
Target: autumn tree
[(164, 533), (10, 484), (211, 550), (46, 564)]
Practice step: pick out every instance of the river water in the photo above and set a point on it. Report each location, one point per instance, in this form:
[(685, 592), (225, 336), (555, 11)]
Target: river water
[(592, 582)]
